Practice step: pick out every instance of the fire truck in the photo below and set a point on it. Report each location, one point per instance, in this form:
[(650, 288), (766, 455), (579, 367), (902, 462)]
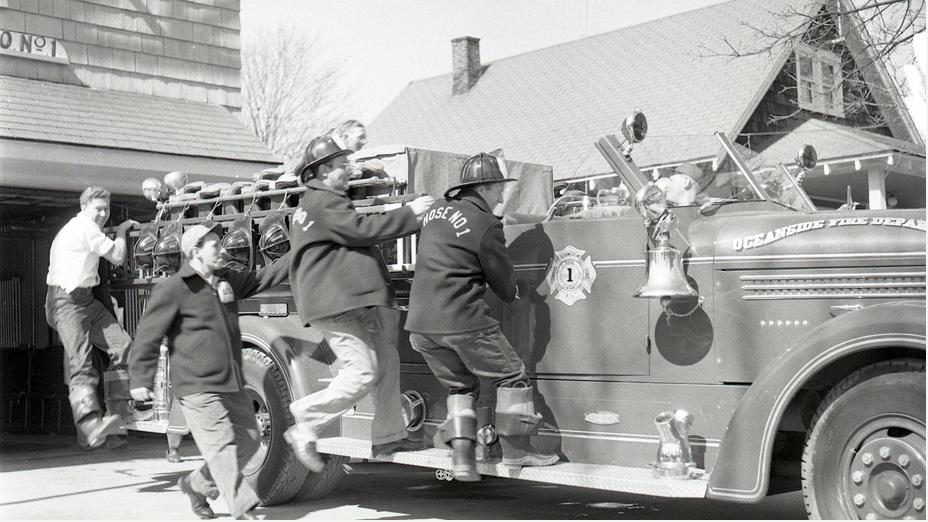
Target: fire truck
[(709, 334)]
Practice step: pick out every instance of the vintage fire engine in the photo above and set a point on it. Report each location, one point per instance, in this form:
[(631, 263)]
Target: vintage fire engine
[(717, 337)]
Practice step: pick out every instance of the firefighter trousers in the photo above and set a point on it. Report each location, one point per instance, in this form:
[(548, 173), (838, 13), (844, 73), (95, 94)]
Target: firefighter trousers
[(225, 430), (364, 340), (459, 360)]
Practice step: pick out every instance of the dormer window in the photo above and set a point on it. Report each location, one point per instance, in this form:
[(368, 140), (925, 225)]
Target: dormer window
[(818, 80)]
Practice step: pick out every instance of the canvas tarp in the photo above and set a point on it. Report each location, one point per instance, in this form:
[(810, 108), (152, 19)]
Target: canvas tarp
[(433, 172)]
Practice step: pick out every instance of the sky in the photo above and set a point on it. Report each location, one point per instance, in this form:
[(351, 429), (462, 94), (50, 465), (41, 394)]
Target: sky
[(382, 45)]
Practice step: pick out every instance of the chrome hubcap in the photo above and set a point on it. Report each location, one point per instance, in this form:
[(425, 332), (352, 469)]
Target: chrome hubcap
[(885, 475), (265, 432)]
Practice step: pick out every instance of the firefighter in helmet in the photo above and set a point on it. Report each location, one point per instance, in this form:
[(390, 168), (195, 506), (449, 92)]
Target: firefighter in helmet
[(462, 254), (335, 255)]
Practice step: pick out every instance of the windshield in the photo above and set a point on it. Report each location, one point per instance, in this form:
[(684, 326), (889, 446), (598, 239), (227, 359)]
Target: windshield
[(695, 183), (774, 179)]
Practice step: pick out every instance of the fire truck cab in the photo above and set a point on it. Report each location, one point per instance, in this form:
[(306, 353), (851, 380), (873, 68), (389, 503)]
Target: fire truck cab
[(707, 334)]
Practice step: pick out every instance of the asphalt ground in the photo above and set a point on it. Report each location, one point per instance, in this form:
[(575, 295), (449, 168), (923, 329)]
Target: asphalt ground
[(48, 477)]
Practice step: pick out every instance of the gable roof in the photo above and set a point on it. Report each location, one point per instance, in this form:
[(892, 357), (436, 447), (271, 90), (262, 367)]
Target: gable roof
[(549, 106), (836, 142), (59, 113)]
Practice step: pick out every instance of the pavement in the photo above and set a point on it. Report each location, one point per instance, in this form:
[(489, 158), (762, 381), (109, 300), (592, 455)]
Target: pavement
[(48, 477)]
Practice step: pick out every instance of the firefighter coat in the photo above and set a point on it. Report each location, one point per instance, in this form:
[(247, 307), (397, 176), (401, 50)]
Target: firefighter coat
[(462, 252), (335, 265)]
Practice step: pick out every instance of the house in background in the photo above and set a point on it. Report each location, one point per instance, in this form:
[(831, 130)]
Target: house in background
[(111, 93), (549, 106), (98, 92)]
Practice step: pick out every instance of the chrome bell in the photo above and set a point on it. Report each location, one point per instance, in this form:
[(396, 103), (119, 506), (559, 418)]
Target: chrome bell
[(665, 277)]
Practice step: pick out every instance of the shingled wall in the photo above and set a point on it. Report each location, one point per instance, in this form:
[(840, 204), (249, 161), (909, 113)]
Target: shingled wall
[(170, 48)]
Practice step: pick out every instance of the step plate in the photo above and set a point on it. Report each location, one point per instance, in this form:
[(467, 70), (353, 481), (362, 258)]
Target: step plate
[(612, 478), (151, 426)]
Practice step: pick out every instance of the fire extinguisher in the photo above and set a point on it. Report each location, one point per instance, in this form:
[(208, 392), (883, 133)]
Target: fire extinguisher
[(160, 401)]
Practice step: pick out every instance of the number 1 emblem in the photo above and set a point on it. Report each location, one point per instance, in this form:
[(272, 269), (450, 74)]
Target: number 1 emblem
[(570, 276)]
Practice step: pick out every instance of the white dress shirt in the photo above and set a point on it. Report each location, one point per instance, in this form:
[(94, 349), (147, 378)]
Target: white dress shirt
[(75, 254)]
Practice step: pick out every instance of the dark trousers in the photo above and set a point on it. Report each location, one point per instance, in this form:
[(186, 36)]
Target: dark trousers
[(459, 360), (226, 433), (83, 323)]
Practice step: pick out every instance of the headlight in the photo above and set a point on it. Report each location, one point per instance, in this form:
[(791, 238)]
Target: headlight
[(806, 158), (635, 127), (651, 202)]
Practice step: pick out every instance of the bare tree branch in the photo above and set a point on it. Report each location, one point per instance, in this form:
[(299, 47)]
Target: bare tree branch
[(290, 91), (885, 26)]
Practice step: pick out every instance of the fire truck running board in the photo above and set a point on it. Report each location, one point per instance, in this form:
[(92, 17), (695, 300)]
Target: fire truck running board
[(639, 481)]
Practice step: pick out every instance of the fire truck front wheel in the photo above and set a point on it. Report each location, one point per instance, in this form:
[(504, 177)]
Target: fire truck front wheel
[(274, 471), (865, 455)]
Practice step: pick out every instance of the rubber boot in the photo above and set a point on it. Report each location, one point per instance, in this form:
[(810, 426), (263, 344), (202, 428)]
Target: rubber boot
[(516, 422), (116, 397), (92, 426), (460, 432)]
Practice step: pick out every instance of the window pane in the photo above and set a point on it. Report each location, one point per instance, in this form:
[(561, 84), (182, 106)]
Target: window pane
[(805, 67), (805, 92), (828, 76)]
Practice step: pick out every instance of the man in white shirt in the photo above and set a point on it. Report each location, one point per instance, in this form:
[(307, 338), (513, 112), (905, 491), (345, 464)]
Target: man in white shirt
[(83, 322)]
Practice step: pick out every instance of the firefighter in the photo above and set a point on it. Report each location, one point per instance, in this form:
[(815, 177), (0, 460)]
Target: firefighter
[(339, 280), (462, 252), (197, 310), (84, 319)]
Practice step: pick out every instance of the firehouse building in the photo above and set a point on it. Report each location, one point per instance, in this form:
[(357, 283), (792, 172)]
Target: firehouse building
[(100, 93), (549, 106)]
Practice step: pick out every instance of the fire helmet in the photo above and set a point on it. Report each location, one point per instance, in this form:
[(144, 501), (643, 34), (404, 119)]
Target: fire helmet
[(320, 150), (145, 246), (275, 238), (166, 253), (478, 170), (238, 245)]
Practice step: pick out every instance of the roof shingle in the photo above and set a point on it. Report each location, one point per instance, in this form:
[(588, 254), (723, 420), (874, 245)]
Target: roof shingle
[(549, 106), (44, 111), (835, 141)]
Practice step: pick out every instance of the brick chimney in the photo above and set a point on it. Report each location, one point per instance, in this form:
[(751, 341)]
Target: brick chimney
[(465, 60)]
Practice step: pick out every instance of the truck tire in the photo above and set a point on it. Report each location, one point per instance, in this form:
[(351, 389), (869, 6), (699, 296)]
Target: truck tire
[(274, 472), (865, 455), (318, 485)]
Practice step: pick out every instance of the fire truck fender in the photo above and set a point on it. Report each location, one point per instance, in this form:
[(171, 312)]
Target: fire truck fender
[(298, 351), (742, 469)]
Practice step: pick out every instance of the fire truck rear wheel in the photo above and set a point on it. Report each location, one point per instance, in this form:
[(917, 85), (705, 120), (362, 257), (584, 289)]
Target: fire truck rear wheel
[(320, 484), (274, 472), (865, 455)]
